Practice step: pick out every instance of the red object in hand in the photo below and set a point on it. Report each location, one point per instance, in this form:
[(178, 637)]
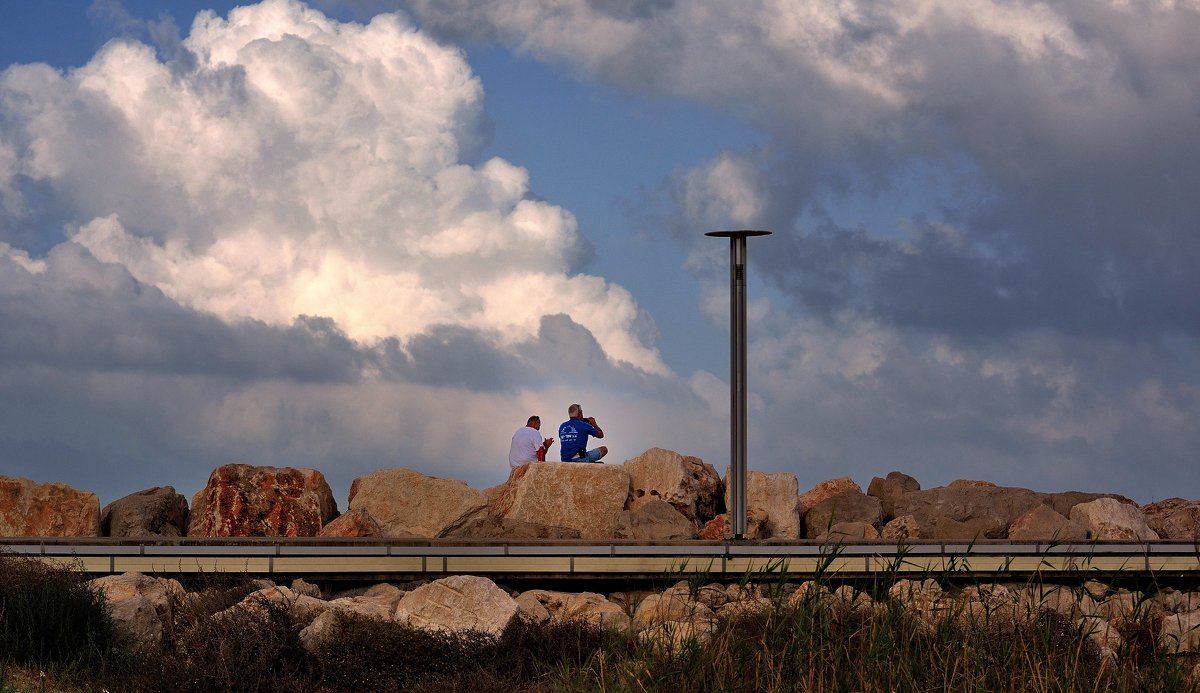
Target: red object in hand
[(541, 454)]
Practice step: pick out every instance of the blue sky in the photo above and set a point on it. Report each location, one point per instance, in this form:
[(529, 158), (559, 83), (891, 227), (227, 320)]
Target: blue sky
[(356, 235)]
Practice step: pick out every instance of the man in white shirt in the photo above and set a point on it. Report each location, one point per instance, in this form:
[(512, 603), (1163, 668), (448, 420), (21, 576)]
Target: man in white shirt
[(527, 443)]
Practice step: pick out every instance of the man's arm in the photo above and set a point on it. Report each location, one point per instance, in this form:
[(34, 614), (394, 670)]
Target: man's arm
[(599, 431)]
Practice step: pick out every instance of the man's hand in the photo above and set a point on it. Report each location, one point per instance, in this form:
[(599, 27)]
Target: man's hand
[(547, 443), (591, 420)]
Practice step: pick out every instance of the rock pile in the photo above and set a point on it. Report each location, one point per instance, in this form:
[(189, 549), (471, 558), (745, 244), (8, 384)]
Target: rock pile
[(143, 607), (658, 495)]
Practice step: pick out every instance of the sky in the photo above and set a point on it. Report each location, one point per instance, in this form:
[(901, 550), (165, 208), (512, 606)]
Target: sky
[(360, 234)]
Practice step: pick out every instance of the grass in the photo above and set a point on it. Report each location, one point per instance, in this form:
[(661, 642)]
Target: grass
[(806, 639)]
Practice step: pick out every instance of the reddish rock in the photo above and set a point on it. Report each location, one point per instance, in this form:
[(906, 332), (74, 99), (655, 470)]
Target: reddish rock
[(352, 523), (720, 528), (245, 501), (155, 512), (1174, 518), (30, 509), (824, 490)]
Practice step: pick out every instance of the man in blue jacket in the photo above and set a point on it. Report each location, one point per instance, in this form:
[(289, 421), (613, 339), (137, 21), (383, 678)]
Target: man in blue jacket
[(573, 437)]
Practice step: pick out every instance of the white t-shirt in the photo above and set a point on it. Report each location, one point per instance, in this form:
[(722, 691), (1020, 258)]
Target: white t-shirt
[(525, 444)]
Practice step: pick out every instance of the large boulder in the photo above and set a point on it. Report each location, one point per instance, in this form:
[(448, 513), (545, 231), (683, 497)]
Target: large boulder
[(1174, 518), (459, 603), (848, 531), (890, 488), (352, 523), (1042, 523), (154, 512), (30, 509), (655, 520), (140, 605), (587, 498), (405, 503), (954, 513), (245, 501), (1063, 501), (848, 506), (778, 496), (824, 490), (687, 483), (1108, 518), (721, 527)]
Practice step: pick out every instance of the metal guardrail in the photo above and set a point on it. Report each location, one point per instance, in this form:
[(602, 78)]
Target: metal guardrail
[(357, 560)]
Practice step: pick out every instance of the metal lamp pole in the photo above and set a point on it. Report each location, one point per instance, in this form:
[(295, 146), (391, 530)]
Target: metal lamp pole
[(737, 373)]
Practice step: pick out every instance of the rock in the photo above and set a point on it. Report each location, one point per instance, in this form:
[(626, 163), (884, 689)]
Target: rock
[(587, 498), (826, 489), (776, 495), (245, 501), (1064, 501), (155, 512), (532, 610), (593, 608), (966, 511), (888, 489), (1180, 633), (139, 605), (317, 632), (300, 586), (848, 531), (1108, 518), (655, 521), (1174, 519), (670, 605), (459, 603), (481, 524), (352, 523), (686, 483), (847, 506), (901, 529), (302, 608), (719, 527), (30, 509), (970, 483), (405, 503), (1042, 523)]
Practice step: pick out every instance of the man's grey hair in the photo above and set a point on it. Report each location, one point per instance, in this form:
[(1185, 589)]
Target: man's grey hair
[(574, 410)]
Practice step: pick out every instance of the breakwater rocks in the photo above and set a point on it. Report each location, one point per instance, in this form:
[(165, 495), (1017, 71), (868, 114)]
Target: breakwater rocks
[(144, 607), (658, 495)]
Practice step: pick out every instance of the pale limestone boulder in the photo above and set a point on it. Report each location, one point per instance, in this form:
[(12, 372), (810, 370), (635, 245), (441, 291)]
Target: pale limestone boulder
[(826, 489), (301, 586), (593, 608), (848, 531), (670, 605), (654, 521), (847, 506), (777, 495), (1126, 606), (154, 512), (1172, 600), (889, 488), (901, 529), (551, 600), (1107, 518), (1175, 519), (318, 631), (459, 603), (1104, 636), (161, 592), (587, 498), (30, 509), (241, 500), (1042, 523), (1063, 501), (673, 636), (686, 483), (352, 523), (301, 607), (1180, 633), (404, 503)]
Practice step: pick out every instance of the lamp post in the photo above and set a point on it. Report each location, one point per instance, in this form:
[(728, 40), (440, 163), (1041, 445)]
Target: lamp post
[(737, 374)]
